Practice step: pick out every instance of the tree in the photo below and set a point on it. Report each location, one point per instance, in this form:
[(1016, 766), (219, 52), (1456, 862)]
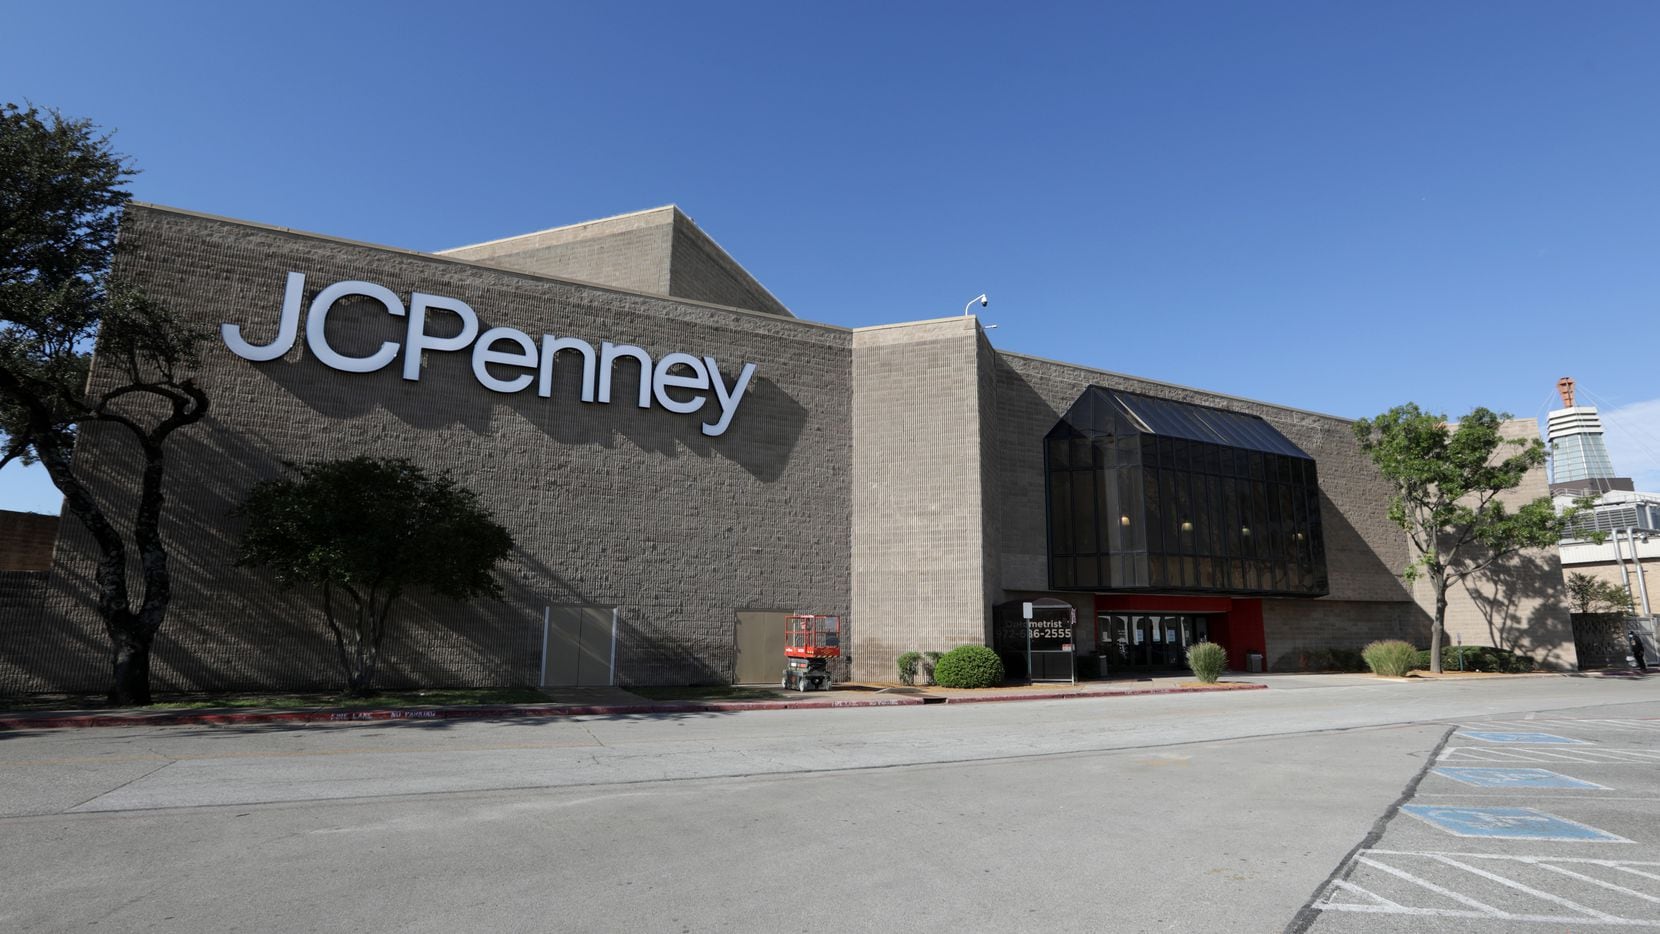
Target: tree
[(370, 530), (1588, 594), (61, 193), (1447, 482)]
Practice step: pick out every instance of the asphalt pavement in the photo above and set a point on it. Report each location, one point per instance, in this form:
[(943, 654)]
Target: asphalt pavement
[(1546, 821), (1305, 807)]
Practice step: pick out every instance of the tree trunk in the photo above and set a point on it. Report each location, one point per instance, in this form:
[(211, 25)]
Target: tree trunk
[(130, 676), (1436, 637)]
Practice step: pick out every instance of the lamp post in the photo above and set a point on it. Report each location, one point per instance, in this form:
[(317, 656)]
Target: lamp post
[(1637, 560)]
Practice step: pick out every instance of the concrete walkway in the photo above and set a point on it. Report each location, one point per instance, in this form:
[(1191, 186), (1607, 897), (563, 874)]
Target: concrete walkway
[(611, 701)]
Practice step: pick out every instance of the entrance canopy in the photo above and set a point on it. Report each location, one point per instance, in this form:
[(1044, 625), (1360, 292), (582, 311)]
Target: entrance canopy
[(1157, 495)]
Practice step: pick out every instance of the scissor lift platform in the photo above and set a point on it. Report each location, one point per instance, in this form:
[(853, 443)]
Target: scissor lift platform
[(810, 641)]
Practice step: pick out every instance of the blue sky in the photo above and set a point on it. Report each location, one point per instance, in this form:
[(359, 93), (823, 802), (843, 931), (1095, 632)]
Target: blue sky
[(1336, 206)]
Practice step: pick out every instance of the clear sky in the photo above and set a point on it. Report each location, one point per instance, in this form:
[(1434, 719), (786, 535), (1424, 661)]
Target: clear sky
[(1335, 206)]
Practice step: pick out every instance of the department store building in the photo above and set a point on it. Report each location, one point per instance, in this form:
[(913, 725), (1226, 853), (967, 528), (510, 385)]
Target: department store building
[(682, 463)]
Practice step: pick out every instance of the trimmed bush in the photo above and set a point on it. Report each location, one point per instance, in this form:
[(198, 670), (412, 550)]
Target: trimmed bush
[(1208, 660), (929, 660), (908, 663), (1390, 658), (969, 666), (1478, 658)]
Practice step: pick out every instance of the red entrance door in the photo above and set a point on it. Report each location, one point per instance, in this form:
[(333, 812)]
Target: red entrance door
[(1235, 624)]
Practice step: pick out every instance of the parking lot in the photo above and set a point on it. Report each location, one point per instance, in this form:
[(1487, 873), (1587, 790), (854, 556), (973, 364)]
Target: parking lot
[(1323, 803), (1546, 821)]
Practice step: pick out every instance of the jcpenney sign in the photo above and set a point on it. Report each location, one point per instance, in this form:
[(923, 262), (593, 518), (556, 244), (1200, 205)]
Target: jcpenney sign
[(697, 381)]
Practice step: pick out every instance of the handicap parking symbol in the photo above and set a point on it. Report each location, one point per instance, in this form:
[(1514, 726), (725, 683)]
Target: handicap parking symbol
[(1527, 739), (1508, 824), (1514, 778)]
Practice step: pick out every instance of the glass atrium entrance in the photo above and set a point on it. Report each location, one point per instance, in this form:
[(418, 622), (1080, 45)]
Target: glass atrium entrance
[(1149, 640)]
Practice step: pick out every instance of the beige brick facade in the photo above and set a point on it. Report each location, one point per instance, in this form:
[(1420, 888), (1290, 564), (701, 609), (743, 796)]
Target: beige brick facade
[(26, 540), (891, 475), (918, 540), (611, 505)]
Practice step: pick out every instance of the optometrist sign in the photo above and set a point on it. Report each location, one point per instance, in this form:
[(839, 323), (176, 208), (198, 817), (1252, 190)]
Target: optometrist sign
[(505, 360)]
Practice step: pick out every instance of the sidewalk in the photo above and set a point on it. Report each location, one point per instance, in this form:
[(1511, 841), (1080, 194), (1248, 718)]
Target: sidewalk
[(575, 702), (616, 702)]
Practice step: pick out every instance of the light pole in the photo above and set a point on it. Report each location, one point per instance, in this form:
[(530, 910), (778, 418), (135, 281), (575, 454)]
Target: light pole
[(1637, 562)]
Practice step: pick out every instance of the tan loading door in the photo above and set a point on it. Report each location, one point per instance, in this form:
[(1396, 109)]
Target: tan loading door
[(760, 647)]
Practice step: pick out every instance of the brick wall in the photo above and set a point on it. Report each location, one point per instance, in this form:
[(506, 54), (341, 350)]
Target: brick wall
[(1365, 553), (611, 505), (1609, 573), (699, 269), (1519, 604), (1296, 627), (22, 636), (940, 516), (626, 253), (918, 549), (661, 251), (26, 540)]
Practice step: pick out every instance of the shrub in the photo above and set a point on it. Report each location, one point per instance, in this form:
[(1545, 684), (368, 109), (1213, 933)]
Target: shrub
[(1390, 658), (1321, 659), (1347, 660), (969, 666), (1480, 658), (907, 667), (929, 661), (1208, 660)]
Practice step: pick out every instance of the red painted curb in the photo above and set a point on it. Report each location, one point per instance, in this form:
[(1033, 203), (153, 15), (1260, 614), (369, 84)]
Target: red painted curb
[(47, 722)]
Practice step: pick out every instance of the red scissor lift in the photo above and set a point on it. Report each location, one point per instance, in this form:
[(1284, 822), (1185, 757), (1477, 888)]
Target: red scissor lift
[(809, 644)]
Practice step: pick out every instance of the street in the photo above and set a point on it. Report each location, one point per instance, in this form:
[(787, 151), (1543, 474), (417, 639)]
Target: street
[(1310, 806)]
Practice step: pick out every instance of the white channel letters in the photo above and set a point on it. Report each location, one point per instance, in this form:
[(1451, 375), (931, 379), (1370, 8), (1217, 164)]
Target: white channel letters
[(503, 348)]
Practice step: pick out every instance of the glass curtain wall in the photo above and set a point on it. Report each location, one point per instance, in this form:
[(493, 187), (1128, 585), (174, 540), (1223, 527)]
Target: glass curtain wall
[(1215, 502)]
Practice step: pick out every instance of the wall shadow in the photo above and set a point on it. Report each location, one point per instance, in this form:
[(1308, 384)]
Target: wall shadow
[(761, 438), (1524, 608)]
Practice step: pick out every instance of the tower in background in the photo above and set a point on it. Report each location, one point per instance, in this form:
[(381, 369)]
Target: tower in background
[(1580, 464)]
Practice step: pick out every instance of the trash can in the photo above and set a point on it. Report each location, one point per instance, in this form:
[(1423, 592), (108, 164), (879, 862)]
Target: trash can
[(1253, 663)]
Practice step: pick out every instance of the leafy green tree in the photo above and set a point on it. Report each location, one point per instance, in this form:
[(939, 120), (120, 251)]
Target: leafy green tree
[(1588, 594), (364, 531), (1448, 481), (61, 193)]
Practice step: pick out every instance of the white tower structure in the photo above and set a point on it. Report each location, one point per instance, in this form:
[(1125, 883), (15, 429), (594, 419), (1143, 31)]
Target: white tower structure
[(1578, 455)]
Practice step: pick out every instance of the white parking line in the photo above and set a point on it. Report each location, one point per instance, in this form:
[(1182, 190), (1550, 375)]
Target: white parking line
[(1350, 895), (1437, 795), (1598, 882), (1612, 725), (1567, 903), (1537, 754)]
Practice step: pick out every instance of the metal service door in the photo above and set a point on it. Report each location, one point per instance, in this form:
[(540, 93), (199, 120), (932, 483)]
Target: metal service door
[(759, 645), (578, 646)]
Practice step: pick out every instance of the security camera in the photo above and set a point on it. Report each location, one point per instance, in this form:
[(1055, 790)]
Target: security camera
[(984, 301)]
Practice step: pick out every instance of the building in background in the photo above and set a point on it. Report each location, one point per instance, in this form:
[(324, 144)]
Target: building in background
[(1627, 518), (683, 462), (1580, 463)]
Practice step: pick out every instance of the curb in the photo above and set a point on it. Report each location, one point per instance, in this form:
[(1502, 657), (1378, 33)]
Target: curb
[(1073, 695), (546, 711), (183, 718)]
